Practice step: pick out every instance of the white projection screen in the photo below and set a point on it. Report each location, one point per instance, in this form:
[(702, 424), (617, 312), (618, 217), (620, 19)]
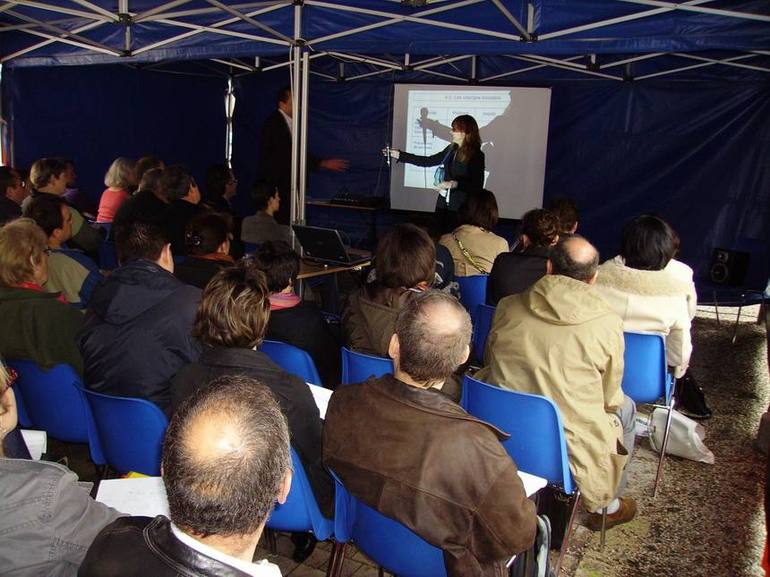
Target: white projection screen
[(513, 123)]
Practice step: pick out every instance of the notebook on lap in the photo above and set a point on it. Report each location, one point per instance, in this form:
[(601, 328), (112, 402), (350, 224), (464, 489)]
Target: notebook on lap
[(325, 245)]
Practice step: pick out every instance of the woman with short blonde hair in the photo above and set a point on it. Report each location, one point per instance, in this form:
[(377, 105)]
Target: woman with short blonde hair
[(37, 325), (119, 180)]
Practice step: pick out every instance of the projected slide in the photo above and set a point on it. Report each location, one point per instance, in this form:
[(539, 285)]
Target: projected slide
[(513, 123)]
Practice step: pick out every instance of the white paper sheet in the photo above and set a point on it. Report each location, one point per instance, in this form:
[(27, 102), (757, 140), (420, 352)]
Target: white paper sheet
[(321, 397), (532, 483), (140, 496), (36, 441)]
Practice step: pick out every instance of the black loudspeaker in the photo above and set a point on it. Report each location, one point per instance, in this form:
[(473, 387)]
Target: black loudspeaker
[(728, 267)]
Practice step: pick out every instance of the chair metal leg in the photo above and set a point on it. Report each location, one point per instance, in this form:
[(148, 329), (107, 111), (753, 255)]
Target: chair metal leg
[(735, 327), (336, 560), (568, 532), (659, 474), (716, 307), (603, 534)]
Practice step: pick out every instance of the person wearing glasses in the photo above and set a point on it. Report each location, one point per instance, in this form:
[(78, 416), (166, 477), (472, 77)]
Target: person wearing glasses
[(37, 325)]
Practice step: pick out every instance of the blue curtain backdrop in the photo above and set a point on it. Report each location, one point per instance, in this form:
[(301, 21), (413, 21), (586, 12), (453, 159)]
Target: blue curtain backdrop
[(697, 153), (93, 114)]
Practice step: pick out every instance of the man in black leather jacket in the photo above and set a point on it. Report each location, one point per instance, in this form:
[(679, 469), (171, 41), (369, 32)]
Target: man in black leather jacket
[(226, 461)]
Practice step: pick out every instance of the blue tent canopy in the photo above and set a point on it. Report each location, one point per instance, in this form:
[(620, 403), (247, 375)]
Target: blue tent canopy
[(657, 105)]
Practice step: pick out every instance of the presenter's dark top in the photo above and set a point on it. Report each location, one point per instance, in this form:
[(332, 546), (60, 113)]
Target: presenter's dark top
[(469, 173)]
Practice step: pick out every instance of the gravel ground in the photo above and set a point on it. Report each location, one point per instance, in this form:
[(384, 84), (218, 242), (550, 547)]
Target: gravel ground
[(706, 519)]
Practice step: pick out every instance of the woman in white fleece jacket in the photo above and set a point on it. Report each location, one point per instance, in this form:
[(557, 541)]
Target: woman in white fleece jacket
[(647, 296)]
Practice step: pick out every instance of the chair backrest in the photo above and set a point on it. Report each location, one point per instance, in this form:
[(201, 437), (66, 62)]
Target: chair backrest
[(357, 367), (292, 360), (482, 324), (53, 402), (473, 291), (300, 512), (387, 542), (645, 374), (537, 443), (130, 432)]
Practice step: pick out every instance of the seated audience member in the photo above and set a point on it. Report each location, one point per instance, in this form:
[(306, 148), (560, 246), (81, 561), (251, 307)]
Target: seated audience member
[(119, 180), (473, 507), (473, 245), (292, 320), (226, 462), (48, 520), (405, 266), (49, 176), (13, 194), (73, 195), (221, 186), (136, 335), (36, 325), (180, 188), (262, 226), (145, 164), (230, 324), (516, 271), (648, 297), (70, 271), (566, 211), (561, 340), (208, 242), (147, 204)]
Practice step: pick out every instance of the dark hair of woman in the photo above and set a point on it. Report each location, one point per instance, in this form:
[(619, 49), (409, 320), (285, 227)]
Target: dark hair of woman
[(205, 233), (648, 243), (405, 258), (541, 227), (472, 141), (479, 209)]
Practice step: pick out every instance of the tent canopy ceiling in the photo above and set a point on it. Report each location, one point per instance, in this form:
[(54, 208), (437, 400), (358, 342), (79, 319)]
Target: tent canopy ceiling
[(481, 40)]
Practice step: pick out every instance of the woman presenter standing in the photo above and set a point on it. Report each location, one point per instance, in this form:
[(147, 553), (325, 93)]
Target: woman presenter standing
[(460, 169)]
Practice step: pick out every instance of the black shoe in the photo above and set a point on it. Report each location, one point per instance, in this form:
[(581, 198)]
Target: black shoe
[(691, 401), (304, 544)]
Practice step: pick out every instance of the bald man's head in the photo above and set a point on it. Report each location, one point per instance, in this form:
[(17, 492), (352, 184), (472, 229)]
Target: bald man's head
[(434, 333), (225, 456), (576, 258)]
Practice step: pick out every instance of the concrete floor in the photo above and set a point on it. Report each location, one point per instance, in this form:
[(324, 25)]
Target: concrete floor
[(707, 520)]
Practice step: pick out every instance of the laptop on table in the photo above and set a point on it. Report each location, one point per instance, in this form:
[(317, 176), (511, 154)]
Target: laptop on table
[(325, 245)]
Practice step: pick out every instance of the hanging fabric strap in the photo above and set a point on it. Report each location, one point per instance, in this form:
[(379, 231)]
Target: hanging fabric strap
[(468, 256)]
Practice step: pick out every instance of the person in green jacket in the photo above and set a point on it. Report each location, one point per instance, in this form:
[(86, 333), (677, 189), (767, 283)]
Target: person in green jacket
[(37, 325)]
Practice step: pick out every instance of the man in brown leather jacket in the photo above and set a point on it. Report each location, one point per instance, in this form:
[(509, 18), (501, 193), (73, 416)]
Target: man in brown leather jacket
[(407, 450)]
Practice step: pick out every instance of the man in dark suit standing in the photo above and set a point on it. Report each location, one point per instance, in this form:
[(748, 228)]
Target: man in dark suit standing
[(275, 153)]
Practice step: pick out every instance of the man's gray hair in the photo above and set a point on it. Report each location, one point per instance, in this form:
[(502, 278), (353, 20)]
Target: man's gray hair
[(574, 257), (434, 331)]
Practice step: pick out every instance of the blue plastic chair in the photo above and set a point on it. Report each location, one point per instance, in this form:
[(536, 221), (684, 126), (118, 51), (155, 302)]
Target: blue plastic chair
[(130, 432), (537, 443), (393, 546), (481, 327), (292, 360), (357, 367), (646, 380), (473, 292), (53, 402), (301, 514)]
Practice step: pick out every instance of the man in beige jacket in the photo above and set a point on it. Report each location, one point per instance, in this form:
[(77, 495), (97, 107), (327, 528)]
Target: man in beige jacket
[(562, 341)]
